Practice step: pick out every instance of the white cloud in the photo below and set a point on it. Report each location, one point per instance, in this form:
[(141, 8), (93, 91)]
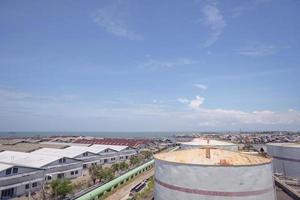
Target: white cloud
[(201, 86), (196, 103), (229, 118), (256, 50), (111, 18), (183, 100), (213, 19), (154, 64)]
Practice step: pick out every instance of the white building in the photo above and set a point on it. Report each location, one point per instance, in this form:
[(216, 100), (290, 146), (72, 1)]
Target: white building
[(56, 166), (17, 180), (82, 153), (113, 153)]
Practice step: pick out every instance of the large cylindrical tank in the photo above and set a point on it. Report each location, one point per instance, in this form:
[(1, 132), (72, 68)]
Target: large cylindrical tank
[(212, 174), (286, 158), (201, 143)]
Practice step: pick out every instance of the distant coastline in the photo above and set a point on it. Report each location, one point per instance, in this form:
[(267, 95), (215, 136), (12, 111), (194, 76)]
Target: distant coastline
[(16, 134)]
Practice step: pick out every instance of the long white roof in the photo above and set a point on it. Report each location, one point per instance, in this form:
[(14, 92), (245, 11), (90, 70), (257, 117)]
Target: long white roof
[(113, 147), (70, 152), (27, 159), (4, 166)]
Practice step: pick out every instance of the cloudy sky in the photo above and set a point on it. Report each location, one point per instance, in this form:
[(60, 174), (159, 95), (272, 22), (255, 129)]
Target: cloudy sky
[(142, 65)]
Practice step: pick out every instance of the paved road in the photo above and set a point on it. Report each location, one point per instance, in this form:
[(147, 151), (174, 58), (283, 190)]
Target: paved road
[(123, 192)]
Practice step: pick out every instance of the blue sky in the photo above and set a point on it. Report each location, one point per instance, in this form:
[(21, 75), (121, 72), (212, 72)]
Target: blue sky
[(137, 65)]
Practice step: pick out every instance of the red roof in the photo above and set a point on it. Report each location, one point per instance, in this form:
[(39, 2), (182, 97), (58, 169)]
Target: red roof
[(114, 141)]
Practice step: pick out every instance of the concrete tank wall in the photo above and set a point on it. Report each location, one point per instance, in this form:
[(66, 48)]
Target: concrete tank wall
[(178, 181), (286, 160)]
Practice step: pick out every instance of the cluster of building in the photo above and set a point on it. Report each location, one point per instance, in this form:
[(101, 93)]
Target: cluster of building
[(262, 138), (25, 172)]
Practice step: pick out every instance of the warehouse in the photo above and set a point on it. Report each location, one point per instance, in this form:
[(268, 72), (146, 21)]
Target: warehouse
[(201, 143), (212, 174), (17, 180), (286, 159), (113, 153), (80, 153), (55, 166)]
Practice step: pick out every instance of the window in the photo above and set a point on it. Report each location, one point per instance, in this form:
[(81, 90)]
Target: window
[(84, 166), (49, 178), (8, 171), (60, 176), (105, 160), (72, 173), (62, 160), (106, 150), (7, 193), (85, 154), (113, 159), (34, 184), (126, 157), (76, 172), (121, 157), (27, 186), (15, 170)]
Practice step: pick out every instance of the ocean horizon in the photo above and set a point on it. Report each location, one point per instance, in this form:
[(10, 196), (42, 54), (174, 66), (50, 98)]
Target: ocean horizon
[(113, 134)]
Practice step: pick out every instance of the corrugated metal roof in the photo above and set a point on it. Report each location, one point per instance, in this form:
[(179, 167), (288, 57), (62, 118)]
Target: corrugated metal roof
[(70, 152), (27, 159), (113, 147), (4, 166)]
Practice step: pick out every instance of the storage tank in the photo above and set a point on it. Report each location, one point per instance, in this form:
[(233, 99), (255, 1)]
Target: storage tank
[(212, 174), (201, 143), (286, 158)]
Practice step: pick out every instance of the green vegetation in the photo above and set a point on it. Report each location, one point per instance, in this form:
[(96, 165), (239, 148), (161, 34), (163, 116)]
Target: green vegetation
[(147, 154), (60, 188), (135, 160), (95, 172), (98, 173), (123, 166)]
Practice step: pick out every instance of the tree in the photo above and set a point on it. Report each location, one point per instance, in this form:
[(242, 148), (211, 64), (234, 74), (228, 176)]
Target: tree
[(123, 166), (95, 172), (106, 174), (60, 188), (115, 167), (134, 160), (146, 154)]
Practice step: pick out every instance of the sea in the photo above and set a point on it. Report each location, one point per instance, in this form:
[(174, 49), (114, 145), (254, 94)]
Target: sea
[(94, 134)]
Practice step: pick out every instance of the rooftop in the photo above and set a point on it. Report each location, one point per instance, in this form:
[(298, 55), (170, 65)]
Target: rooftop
[(4, 166), (27, 159), (28, 147), (205, 142), (70, 152), (217, 157)]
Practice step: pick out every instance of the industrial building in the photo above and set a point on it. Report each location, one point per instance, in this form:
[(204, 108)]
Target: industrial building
[(117, 152), (28, 147), (17, 180), (212, 174), (201, 143), (286, 159), (87, 157), (56, 166)]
